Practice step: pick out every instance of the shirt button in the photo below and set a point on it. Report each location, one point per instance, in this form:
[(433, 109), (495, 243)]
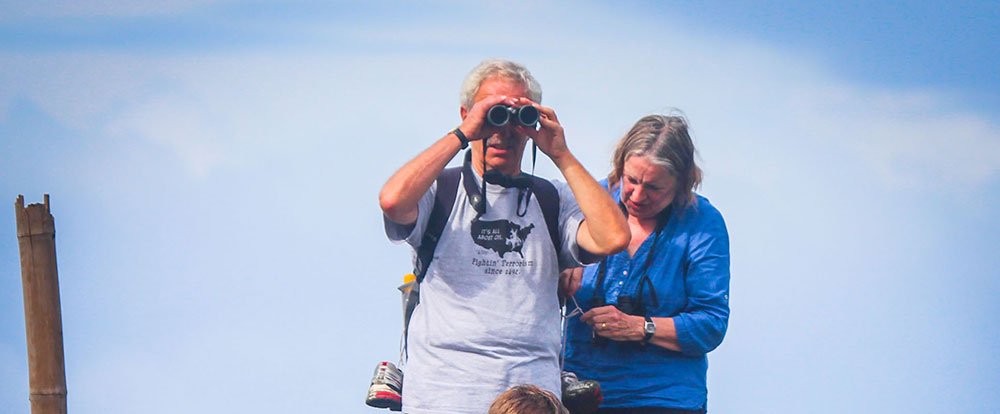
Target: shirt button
[(625, 272), (620, 283)]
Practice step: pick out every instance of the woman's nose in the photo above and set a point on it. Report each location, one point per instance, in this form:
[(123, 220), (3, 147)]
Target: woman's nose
[(637, 194)]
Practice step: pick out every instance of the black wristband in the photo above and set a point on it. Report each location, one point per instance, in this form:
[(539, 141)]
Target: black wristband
[(461, 137)]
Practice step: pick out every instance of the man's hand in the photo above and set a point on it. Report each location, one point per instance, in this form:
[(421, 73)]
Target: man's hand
[(569, 282), (550, 137), (611, 323)]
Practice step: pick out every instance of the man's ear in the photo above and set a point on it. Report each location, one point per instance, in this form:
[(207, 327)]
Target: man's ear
[(462, 112)]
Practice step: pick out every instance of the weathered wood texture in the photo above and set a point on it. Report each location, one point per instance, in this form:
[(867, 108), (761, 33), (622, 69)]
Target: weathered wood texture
[(36, 237)]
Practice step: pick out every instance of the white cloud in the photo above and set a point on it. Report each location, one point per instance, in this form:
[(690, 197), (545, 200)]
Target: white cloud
[(739, 93), (927, 147), (80, 90), (186, 131)]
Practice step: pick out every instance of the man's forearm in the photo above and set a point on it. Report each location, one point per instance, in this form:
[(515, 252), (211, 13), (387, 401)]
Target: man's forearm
[(604, 230), (401, 193)]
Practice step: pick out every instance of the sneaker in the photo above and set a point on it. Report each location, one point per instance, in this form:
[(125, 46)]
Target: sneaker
[(386, 389)]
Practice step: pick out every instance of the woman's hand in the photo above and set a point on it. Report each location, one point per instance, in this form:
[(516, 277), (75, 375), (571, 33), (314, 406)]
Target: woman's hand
[(611, 323)]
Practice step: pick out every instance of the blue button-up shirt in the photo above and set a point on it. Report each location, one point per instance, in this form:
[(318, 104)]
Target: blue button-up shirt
[(689, 275)]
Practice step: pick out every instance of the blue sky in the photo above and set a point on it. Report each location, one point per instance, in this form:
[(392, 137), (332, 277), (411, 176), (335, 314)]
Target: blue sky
[(213, 170)]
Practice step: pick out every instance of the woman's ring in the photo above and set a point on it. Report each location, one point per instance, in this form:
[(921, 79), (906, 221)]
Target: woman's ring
[(604, 325)]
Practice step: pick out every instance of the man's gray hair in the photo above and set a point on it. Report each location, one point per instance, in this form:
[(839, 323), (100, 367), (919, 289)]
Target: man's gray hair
[(498, 67)]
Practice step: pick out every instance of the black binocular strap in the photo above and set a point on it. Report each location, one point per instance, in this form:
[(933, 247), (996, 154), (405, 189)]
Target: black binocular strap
[(599, 291)]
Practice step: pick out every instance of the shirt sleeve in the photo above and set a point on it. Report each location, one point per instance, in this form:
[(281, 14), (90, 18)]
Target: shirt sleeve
[(570, 218), (412, 233), (702, 324)]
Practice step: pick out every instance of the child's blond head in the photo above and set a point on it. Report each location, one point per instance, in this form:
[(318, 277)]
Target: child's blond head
[(527, 399)]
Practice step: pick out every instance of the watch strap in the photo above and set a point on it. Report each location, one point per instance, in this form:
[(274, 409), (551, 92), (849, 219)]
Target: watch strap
[(649, 333)]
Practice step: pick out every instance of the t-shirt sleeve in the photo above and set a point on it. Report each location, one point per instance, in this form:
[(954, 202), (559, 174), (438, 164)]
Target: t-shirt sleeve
[(570, 218), (412, 234)]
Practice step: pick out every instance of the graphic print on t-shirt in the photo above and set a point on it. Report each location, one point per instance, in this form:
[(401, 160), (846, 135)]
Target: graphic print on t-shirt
[(501, 236)]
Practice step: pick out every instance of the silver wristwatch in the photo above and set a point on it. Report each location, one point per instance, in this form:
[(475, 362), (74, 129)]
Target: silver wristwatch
[(649, 328)]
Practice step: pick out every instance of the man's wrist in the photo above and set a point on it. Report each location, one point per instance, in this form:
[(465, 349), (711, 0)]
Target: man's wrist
[(461, 137), (563, 159)]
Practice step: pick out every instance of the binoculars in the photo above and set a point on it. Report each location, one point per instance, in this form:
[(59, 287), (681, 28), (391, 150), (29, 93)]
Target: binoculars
[(500, 115)]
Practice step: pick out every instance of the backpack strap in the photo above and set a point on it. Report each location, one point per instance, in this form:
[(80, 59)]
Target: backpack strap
[(548, 200), (444, 200), (447, 189)]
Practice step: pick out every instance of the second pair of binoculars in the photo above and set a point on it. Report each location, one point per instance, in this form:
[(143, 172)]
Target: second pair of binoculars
[(500, 115)]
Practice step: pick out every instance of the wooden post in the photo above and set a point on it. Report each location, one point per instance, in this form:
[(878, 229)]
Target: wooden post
[(36, 238)]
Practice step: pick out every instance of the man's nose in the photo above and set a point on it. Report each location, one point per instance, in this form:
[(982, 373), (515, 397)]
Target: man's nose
[(508, 130)]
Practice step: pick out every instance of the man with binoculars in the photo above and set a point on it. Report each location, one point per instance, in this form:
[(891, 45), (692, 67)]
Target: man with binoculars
[(488, 314)]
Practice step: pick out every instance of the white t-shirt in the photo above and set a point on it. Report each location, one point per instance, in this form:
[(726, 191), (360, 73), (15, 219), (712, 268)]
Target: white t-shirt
[(488, 317)]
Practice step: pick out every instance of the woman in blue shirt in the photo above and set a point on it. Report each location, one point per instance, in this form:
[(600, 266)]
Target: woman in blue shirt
[(653, 311)]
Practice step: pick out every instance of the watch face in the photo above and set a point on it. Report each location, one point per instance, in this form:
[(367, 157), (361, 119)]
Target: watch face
[(650, 327)]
